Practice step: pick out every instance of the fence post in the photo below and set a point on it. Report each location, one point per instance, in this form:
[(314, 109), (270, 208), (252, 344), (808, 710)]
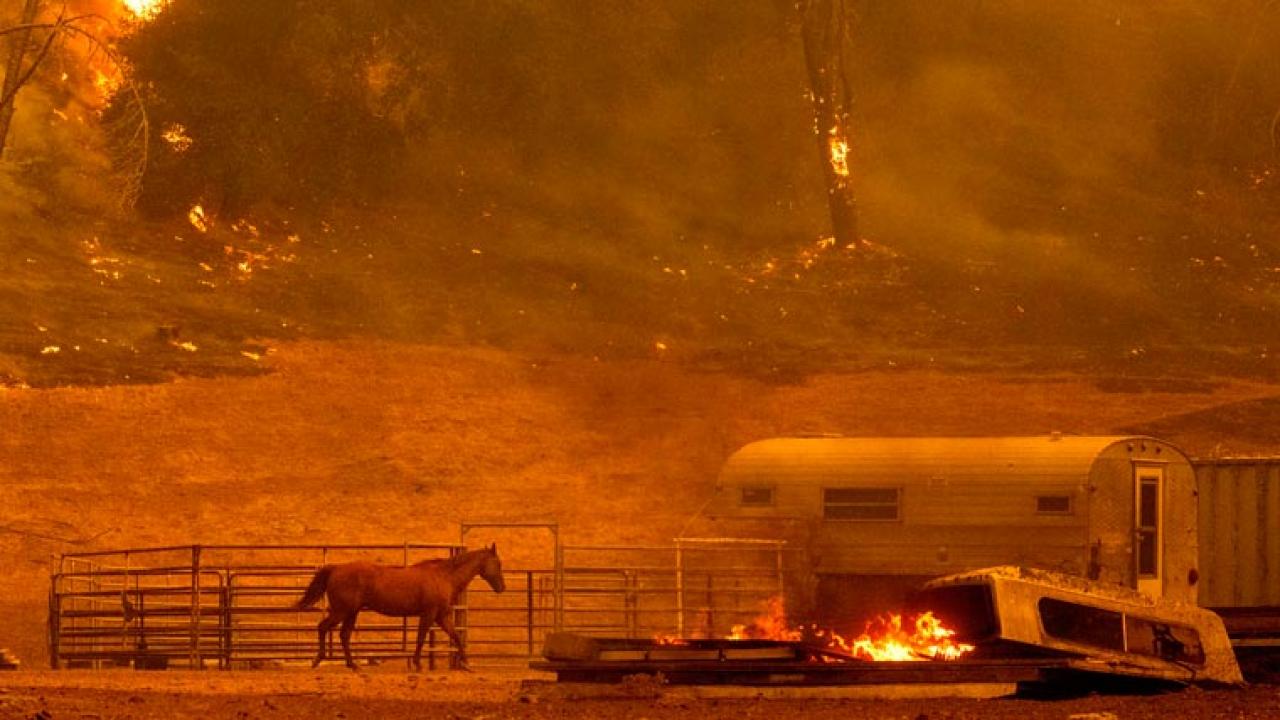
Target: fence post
[(558, 559), (679, 590), (195, 607), (631, 603), (55, 620), (224, 621), (711, 606), (404, 623), (528, 603)]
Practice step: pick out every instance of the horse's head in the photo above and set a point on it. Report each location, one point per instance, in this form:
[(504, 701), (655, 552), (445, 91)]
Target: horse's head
[(491, 570)]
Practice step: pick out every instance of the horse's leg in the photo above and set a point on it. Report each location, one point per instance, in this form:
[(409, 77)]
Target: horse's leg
[(424, 623), (444, 618), (326, 624), (348, 624)]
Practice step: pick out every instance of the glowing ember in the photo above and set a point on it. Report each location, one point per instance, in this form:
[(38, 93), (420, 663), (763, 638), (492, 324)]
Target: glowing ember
[(176, 135), (196, 216)]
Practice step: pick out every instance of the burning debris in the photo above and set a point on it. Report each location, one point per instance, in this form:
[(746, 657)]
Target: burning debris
[(885, 638), (1015, 625)]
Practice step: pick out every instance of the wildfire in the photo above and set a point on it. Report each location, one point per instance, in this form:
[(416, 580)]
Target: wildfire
[(886, 638), (839, 150), (144, 9)]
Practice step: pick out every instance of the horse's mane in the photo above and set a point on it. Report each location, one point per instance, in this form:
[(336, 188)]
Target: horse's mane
[(450, 561)]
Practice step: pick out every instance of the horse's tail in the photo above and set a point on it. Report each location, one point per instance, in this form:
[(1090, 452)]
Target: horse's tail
[(316, 589)]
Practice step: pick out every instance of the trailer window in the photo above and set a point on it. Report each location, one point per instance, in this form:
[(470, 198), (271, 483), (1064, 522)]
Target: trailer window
[(756, 496), (860, 503), (1053, 505)]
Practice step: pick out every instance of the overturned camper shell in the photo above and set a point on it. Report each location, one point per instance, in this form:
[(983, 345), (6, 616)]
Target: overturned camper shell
[(1120, 509), (1110, 629)]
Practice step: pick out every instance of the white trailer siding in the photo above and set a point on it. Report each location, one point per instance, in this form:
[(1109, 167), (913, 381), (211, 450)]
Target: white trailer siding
[(1060, 502)]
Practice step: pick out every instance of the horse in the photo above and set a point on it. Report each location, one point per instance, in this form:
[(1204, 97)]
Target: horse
[(426, 590)]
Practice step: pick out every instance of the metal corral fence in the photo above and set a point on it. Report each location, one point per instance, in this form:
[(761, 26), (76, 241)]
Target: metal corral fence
[(232, 605)]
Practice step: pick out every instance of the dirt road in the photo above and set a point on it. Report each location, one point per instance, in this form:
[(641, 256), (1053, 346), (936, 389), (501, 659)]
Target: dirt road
[(391, 695)]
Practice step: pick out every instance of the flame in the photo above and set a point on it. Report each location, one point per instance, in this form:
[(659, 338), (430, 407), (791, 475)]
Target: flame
[(770, 625), (106, 84), (886, 638), (198, 219), (144, 9), (838, 148)]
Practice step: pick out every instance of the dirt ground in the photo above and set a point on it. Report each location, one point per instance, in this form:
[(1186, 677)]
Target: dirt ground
[(283, 695)]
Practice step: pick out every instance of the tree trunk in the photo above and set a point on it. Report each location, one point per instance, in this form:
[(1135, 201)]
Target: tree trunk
[(13, 68), (825, 31)]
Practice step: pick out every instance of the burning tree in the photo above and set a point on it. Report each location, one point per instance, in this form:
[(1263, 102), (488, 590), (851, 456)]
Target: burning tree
[(825, 28), (88, 32)]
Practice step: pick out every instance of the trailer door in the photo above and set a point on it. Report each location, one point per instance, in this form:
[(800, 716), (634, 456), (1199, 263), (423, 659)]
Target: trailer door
[(1148, 529)]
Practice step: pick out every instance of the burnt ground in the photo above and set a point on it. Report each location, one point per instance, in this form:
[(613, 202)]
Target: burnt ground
[(283, 695)]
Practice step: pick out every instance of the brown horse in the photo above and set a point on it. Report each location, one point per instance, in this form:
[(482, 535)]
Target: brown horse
[(426, 590)]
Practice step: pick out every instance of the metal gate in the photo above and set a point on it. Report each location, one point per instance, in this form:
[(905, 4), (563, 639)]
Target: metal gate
[(232, 605)]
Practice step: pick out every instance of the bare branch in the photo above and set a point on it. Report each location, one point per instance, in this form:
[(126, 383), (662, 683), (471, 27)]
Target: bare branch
[(134, 155), (35, 64)]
